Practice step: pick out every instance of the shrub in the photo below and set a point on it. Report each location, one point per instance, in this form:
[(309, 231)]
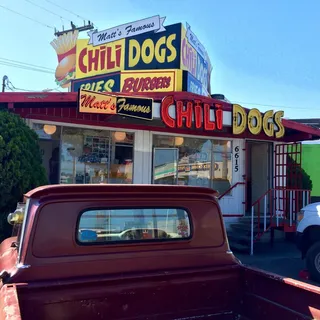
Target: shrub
[(20, 165), (297, 176)]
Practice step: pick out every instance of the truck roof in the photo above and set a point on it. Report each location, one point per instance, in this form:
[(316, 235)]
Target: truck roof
[(65, 189)]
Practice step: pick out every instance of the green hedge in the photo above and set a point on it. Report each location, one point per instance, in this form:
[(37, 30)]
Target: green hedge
[(20, 165)]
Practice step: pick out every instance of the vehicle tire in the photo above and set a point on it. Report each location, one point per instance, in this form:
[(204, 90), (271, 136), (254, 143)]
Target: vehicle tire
[(313, 261)]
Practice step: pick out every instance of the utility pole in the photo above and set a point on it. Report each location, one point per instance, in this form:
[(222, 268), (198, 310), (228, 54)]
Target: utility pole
[(4, 80), (85, 27)]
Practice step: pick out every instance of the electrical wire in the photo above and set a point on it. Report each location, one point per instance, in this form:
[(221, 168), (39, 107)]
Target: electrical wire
[(45, 9), (25, 64), (67, 10), (270, 105), (9, 64), (27, 17), (12, 88)]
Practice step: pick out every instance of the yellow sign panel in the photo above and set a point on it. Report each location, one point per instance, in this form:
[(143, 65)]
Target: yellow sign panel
[(103, 59), (151, 81), (269, 122), (94, 102)]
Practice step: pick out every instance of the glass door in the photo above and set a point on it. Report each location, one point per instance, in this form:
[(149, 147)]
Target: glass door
[(165, 165)]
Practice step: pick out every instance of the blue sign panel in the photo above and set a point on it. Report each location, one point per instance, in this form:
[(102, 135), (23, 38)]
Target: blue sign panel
[(191, 84), (154, 50), (202, 71), (105, 83)]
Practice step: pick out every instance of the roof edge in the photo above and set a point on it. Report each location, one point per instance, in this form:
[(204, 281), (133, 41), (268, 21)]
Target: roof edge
[(43, 97)]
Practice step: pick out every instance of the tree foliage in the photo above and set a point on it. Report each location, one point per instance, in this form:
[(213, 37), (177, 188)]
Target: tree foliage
[(20, 164), (295, 173)]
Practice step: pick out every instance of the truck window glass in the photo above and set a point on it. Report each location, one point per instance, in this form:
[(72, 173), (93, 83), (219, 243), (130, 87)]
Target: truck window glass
[(120, 225)]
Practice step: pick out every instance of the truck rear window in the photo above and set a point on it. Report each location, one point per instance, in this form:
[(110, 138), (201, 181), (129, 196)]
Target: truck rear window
[(119, 225)]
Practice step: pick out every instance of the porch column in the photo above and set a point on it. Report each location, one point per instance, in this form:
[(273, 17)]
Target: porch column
[(142, 160)]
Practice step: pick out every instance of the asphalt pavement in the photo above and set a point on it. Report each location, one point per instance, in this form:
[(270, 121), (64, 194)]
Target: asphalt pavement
[(283, 259)]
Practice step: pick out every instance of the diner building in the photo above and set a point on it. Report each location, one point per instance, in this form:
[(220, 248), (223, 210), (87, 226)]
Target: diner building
[(176, 138)]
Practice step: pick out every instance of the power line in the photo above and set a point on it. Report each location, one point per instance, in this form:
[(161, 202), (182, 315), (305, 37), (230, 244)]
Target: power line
[(8, 85), (27, 17), (25, 64), (67, 10), (269, 105), (45, 9), (19, 66)]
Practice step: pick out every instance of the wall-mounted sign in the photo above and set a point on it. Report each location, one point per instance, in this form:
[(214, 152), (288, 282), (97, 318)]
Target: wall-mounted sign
[(105, 83), (186, 111), (154, 50), (104, 59), (269, 122), (196, 44), (95, 102), (236, 158), (194, 59), (144, 45), (140, 108), (132, 81), (130, 29), (151, 81), (191, 84)]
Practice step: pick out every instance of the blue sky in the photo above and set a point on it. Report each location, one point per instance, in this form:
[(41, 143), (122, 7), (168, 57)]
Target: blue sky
[(264, 53)]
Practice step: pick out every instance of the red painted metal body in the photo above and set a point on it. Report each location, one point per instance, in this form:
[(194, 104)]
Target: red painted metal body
[(281, 204), (57, 278)]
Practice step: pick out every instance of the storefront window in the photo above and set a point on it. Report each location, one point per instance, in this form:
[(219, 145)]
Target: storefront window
[(49, 143), (222, 161), (193, 162), (96, 156)]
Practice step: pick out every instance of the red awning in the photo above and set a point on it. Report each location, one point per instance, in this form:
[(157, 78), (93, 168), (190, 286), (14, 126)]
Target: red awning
[(11, 98)]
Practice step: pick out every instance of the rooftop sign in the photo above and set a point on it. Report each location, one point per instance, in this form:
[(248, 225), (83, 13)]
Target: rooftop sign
[(140, 56)]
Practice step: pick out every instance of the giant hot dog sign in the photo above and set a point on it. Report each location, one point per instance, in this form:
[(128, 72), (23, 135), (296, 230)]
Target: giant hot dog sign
[(140, 56)]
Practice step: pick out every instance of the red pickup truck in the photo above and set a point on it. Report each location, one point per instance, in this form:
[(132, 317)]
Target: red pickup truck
[(135, 252)]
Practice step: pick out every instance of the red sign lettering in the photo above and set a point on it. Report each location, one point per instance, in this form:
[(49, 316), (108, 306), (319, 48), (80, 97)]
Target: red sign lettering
[(100, 58), (140, 84), (164, 111), (186, 110), (100, 102)]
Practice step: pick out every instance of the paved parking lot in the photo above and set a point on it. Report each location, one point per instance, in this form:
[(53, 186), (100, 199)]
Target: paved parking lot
[(284, 259)]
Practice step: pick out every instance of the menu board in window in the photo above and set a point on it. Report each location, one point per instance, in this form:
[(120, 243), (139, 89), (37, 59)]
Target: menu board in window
[(95, 150)]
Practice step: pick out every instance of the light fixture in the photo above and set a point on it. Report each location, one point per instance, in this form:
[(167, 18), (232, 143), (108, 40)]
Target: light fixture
[(178, 141), (120, 136), (49, 129)]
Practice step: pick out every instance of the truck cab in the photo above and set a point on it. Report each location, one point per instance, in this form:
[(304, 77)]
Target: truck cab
[(308, 238), (135, 252)]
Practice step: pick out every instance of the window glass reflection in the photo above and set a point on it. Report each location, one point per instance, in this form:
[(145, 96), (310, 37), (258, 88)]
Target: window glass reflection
[(201, 162), (96, 156)]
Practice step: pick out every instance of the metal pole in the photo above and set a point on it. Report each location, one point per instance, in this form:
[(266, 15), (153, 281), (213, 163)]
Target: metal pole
[(4, 79)]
